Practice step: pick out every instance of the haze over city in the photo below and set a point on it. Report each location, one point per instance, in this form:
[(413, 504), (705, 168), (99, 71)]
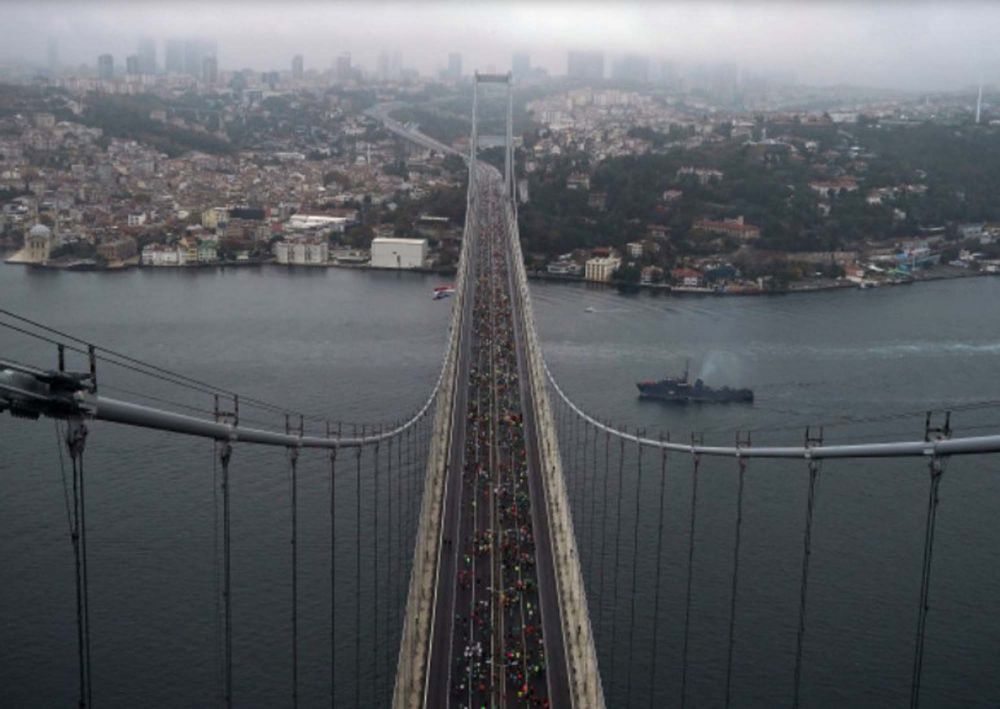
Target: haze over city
[(921, 46)]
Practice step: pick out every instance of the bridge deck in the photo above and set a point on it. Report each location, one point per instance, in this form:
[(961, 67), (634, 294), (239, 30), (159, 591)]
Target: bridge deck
[(497, 637)]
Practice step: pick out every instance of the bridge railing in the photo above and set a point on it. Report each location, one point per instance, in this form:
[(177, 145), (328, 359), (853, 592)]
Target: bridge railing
[(414, 648), (578, 638)]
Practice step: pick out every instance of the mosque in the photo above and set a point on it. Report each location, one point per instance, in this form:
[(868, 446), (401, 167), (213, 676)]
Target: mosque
[(38, 244)]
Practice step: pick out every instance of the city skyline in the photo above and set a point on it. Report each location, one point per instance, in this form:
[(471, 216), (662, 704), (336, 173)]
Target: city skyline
[(823, 43)]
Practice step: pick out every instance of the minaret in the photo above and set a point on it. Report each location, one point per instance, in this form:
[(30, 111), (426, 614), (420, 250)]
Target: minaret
[(979, 101)]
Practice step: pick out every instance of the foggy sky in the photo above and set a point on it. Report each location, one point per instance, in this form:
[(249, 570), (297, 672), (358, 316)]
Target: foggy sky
[(914, 46)]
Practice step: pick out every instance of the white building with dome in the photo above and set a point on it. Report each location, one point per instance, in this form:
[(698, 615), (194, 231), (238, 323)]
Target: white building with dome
[(38, 244)]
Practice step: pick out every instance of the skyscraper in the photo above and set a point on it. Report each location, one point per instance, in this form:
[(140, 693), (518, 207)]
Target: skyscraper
[(585, 65), (210, 70), (520, 64), (298, 67), (132, 65), (105, 66), (383, 66), (396, 65), (175, 56), (455, 65), (344, 66), (193, 57), (53, 54), (632, 67), (147, 55)]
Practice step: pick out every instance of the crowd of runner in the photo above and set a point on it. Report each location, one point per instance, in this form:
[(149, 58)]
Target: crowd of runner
[(498, 649)]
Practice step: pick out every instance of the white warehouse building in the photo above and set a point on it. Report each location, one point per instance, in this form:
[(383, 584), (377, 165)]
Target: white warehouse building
[(390, 252)]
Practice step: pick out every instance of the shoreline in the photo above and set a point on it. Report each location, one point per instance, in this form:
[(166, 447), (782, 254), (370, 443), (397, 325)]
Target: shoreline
[(655, 288), (807, 287)]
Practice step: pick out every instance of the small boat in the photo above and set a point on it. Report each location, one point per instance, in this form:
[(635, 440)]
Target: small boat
[(589, 310)]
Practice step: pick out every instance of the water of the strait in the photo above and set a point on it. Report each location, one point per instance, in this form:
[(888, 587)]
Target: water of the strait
[(361, 346)]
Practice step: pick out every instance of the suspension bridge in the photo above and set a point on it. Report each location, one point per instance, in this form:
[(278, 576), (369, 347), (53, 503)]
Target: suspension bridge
[(497, 546)]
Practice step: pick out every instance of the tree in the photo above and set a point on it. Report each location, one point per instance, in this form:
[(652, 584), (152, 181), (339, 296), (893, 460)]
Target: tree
[(453, 163), (627, 275), (949, 254)]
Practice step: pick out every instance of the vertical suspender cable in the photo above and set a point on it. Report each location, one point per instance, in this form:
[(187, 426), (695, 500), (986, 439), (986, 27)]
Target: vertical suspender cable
[(390, 604), (581, 487), (357, 587), (73, 443), (659, 569), (293, 457), (333, 577), (742, 462), (224, 457), (86, 582), (375, 663), (409, 487), (936, 469), (687, 599), (401, 588), (635, 564), (806, 553), (604, 536), (618, 544), (593, 514), (574, 455), (216, 580)]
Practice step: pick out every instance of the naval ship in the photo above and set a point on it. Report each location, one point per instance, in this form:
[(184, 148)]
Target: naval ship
[(681, 391)]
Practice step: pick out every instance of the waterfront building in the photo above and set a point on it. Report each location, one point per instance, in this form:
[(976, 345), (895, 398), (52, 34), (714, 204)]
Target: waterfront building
[(601, 268), (564, 266), (118, 249), (38, 244), (398, 253), (355, 257), (302, 252), (687, 277)]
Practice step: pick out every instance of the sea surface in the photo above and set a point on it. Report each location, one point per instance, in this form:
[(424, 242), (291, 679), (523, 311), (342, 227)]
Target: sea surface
[(358, 346)]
